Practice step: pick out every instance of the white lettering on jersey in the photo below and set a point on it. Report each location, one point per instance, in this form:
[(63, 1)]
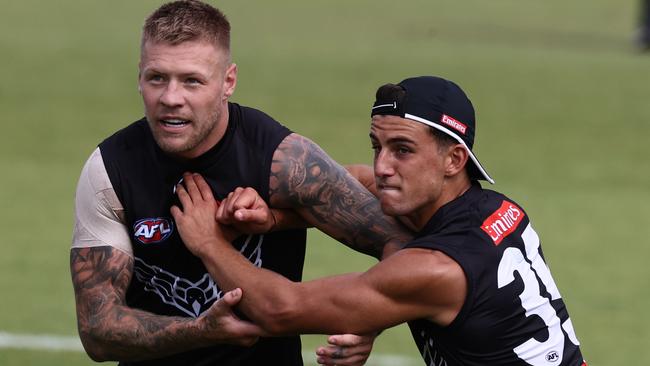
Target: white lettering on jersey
[(534, 352)]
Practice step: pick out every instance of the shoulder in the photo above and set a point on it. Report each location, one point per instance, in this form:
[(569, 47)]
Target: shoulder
[(257, 130), (99, 214), (127, 152), (94, 177), (126, 146), (501, 216), (253, 120), (251, 114), (130, 136), (492, 201)]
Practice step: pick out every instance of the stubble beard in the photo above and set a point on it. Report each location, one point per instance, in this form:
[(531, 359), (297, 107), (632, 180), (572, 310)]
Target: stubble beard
[(196, 137)]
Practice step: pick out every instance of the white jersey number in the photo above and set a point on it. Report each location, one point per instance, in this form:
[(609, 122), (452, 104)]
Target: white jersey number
[(536, 353)]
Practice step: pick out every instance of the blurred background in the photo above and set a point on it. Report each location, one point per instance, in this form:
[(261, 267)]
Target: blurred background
[(563, 110)]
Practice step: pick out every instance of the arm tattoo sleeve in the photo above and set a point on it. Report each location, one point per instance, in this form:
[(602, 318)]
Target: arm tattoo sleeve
[(305, 178), (108, 328)]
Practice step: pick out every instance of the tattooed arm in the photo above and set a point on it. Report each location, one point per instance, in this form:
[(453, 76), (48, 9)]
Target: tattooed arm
[(110, 330), (101, 264), (305, 178), (411, 284), (365, 175)]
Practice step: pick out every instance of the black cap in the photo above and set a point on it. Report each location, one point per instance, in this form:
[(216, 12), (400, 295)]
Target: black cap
[(441, 104)]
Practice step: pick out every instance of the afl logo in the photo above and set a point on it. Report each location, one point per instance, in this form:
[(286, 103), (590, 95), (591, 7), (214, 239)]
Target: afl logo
[(153, 230), (552, 356)]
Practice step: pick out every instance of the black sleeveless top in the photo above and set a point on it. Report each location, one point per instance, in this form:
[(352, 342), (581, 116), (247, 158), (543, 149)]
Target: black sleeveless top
[(513, 313), (168, 279)]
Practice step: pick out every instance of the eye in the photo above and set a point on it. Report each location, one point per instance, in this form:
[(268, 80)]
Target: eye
[(403, 150), (193, 81), (155, 79)]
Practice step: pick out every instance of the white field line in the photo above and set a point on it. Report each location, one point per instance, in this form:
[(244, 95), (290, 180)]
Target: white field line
[(376, 359), (50, 342), (40, 342)]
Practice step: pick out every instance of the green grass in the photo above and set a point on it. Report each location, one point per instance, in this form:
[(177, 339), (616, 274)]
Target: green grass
[(563, 113)]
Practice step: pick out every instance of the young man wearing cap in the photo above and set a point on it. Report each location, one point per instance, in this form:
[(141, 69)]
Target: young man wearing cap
[(473, 285)]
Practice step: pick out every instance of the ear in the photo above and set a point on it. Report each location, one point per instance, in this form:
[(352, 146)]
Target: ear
[(456, 160), (230, 81)]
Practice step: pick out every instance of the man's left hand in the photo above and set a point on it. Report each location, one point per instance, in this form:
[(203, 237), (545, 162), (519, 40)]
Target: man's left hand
[(346, 350)]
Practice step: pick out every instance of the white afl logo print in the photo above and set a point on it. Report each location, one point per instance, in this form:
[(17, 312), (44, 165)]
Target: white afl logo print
[(552, 356)]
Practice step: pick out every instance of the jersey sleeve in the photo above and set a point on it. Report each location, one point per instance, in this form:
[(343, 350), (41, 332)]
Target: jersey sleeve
[(99, 215)]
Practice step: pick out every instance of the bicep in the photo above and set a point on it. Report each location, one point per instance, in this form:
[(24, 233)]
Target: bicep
[(410, 285), (100, 277), (305, 178)]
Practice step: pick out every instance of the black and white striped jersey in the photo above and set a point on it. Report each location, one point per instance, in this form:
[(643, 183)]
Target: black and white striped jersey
[(513, 313)]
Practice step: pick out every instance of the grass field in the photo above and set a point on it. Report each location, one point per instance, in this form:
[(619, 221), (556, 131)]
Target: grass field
[(563, 107)]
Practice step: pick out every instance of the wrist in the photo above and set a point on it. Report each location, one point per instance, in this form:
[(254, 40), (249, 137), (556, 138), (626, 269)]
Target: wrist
[(204, 326), (207, 249), (286, 219), (274, 223)]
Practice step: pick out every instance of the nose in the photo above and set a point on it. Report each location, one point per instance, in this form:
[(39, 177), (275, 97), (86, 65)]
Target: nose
[(383, 165), (172, 95)]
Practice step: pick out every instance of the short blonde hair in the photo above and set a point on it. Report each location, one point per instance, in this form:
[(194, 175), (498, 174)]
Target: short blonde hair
[(187, 20)]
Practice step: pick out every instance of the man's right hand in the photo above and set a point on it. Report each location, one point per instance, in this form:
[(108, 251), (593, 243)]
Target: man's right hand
[(246, 211), (227, 327)]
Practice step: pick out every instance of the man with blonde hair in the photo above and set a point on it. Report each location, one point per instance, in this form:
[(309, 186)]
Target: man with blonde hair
[(142, 298)]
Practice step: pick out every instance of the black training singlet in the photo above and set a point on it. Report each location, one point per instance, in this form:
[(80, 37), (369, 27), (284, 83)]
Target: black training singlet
[(167, 278), (513, 313)]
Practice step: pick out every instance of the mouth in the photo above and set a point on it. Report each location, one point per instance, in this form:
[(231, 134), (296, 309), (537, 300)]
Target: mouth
[(174, 122), (385, 187)]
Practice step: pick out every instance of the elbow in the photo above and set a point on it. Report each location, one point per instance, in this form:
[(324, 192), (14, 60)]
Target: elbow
[(95, 343), (95, 355), (279, 318), (93, 347), (280, 324)]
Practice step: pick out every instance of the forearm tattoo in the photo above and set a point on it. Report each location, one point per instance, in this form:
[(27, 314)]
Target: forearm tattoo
[(109, 329), (305, 178)]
